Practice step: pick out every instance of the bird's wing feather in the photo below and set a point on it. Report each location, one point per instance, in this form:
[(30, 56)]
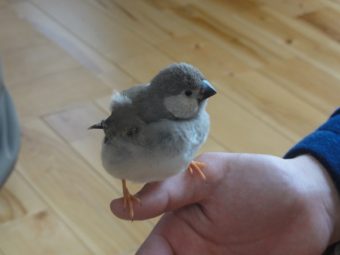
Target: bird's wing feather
[(119, 100), (133, 92), (126, 97)]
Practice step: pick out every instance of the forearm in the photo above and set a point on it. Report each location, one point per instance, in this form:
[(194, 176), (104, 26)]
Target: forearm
[(318, 155), (320, 195)]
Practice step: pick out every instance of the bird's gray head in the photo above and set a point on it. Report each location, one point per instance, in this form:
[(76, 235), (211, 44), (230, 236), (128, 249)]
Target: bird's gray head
[(182, 89)]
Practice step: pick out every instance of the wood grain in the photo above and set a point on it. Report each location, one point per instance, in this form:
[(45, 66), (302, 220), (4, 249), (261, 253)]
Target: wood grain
[(309, 83), (13, 30), (271, 98), (18, 199), (36, 234), (293, 7), (56, 91), (89, 58), (95, 28), (27, 225), (31, 63), (325, 21)]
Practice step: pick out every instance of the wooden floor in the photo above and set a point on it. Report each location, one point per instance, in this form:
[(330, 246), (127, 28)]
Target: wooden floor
[(275, 63)]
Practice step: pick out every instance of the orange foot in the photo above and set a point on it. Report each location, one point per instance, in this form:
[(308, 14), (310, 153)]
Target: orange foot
[(129, 199), (198, 167)]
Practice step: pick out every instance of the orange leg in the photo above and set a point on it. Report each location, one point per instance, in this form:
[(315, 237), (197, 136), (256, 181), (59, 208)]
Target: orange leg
[(129, 199), (198, 167)]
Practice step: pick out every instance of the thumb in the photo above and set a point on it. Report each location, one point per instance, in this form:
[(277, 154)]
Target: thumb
[(175, 192), (159, 197)]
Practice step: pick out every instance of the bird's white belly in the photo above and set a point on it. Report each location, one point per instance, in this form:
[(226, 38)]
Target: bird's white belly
[(146, 168)]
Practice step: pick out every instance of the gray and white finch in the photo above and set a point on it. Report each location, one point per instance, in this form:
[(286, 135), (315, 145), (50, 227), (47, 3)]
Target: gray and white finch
[(154, 130)]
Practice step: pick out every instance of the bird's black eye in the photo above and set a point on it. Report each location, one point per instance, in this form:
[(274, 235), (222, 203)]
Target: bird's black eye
[(188, 93), (132, 131)]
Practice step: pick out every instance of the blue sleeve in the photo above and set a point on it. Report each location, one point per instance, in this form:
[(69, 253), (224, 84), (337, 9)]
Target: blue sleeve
[(324, 145)]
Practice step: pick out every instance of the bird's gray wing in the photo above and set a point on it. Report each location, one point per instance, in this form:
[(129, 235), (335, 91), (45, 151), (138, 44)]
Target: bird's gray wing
[(126, 98), (145, 106), (135, 92)]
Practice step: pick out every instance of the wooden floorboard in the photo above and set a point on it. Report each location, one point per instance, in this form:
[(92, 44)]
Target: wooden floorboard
[(275, 65), (28, 226)]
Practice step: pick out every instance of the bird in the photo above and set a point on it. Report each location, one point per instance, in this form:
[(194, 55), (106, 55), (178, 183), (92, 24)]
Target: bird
[(155, 129)]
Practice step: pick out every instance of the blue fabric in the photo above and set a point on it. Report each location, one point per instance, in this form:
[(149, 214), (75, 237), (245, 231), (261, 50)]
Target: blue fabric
[(324, 145)]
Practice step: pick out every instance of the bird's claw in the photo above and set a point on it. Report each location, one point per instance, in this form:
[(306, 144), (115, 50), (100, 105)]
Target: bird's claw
[(128, 204), (128, 200), (196, 166)]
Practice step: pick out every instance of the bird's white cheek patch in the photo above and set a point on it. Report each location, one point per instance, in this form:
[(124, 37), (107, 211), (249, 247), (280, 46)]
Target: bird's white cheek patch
[(181, 106)]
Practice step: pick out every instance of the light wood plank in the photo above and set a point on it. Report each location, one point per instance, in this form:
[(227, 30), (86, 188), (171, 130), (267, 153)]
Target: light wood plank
[(218, 24), (31, 63), (268, 100), (26, 220), (293, 7), (95, 28), (17, 199), (237, 129), (110, 35), (153, 25), (308, 82), (206, 28), (72, 124), (145, 66), (56, 91), (104, 103), (13, 30), (237, 6), (306, 42), (41, 233), (213, 60), (244, 33), (325, 20), (83, 53)]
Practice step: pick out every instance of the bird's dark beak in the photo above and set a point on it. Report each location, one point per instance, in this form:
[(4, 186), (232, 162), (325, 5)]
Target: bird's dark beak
[(100, 125), (207, 90)]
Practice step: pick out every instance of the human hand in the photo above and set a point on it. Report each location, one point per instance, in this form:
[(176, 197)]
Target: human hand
[(250, 204)]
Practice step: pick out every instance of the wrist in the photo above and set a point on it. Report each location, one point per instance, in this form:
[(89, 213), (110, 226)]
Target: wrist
[(319, 195)]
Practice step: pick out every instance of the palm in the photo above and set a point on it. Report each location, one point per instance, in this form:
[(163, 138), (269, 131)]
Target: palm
[(250, 207)]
